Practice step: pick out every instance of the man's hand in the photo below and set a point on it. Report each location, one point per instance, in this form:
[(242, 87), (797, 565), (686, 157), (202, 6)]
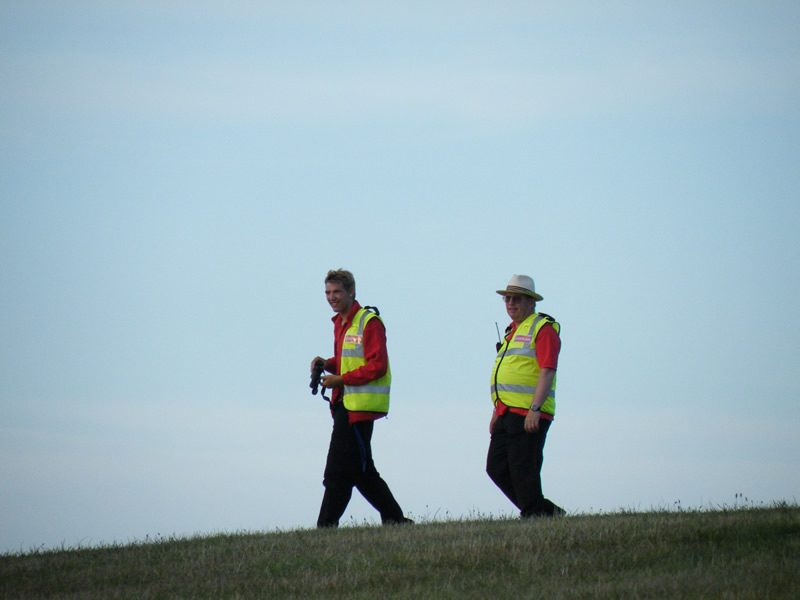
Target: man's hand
[(332, 381), (313, 362), (492, 422), (532, 421)]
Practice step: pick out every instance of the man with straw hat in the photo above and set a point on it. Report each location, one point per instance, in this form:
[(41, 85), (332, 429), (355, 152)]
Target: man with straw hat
[(523, 391)]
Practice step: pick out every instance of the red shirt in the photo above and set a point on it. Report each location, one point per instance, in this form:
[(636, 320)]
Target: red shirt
[(375, 354), (548, 345)]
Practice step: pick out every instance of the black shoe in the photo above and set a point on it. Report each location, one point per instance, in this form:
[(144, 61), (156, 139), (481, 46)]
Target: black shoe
[(404, 521), (556, 511)]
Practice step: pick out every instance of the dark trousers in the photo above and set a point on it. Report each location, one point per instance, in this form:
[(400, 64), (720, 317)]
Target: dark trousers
[(350, 464), (515, 462)]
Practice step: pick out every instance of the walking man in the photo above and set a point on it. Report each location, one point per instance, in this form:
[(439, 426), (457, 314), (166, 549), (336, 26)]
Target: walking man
[(523, 391), (359, 379)]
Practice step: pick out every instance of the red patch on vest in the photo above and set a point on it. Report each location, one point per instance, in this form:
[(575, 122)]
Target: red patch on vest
[(523, 339), (353, 339)]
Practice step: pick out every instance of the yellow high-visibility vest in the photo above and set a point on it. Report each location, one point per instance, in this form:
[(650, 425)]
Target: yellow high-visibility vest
[(374, 395), (516, 369)]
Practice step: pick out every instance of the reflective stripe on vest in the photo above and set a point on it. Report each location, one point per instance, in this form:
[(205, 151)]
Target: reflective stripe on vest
[(374, 395), (516, 369)]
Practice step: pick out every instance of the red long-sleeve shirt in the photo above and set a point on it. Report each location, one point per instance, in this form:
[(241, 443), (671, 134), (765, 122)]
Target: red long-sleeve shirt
[(375, 354), (548, 345)]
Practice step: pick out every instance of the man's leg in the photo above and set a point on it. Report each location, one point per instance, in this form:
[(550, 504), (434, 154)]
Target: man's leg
[(497, 465), (338, 480), (369, 482), (526, 455), (334, 503)]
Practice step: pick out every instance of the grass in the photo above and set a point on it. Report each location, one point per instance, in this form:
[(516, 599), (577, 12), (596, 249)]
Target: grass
[(725, 553)]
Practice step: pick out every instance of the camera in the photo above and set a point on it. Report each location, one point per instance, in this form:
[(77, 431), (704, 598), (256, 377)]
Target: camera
[(316, 375)]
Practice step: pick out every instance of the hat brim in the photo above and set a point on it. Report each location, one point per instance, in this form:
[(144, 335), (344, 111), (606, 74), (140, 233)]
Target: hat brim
[(533, 295)]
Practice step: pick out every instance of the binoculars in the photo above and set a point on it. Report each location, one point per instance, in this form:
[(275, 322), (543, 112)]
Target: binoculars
[(316, 375)]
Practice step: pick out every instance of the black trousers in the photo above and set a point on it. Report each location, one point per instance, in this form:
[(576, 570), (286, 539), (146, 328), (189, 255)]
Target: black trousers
[(350, 465), (514, 463)]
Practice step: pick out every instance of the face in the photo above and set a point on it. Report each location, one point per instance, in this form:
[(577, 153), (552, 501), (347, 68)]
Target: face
[(341, 301), (519, 307)]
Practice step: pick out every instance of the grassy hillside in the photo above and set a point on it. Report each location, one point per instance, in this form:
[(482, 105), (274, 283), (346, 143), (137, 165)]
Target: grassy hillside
[(742, 553)]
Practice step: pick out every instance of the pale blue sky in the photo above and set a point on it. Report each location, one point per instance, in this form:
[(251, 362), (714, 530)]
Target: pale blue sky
[(175, 181)]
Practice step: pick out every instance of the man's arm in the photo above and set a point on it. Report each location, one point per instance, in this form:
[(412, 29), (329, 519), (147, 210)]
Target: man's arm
[(548, 345), (543, 388)]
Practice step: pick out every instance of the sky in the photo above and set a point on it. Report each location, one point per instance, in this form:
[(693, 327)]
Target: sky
[(177, 178)]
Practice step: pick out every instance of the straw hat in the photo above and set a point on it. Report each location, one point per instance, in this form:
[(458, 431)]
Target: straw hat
[(520, 284)]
